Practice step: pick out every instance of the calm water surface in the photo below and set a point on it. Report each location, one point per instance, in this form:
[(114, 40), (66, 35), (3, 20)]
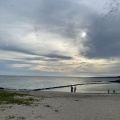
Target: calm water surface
[(36, 82)]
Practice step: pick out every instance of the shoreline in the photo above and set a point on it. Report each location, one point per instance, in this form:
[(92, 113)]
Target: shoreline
[(55, 87)]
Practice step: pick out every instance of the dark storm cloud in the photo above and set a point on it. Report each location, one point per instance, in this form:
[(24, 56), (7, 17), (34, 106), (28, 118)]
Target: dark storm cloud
[(104, 35)]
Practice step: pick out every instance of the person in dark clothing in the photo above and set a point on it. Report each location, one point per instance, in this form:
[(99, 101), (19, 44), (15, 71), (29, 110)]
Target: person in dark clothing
[(71, 88), (108, 90), (74, 89), (113, 91)]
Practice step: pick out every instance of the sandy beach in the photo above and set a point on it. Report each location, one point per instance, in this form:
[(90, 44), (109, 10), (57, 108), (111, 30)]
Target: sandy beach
[(64, 106)]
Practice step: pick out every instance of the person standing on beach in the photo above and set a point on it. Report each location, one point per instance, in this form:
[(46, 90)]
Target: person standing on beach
[(108, 90), (71, 88), (113, 91), (74, 89)]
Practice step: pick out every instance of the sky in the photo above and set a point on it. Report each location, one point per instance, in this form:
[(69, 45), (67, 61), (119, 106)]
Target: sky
[(60, 37)]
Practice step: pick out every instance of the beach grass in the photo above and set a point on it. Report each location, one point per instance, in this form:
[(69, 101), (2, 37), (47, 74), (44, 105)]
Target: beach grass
[(7, 97)]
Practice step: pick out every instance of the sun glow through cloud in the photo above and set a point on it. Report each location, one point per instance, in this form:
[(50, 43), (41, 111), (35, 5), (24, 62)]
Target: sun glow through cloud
[(83, 34)]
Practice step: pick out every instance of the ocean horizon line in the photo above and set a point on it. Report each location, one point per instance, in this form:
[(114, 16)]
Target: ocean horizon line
[(63, 76)]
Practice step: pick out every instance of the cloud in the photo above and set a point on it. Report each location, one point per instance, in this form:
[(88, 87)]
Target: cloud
[(66, 18), (46, 35), (58, 56), (103, 41), (21, 26)]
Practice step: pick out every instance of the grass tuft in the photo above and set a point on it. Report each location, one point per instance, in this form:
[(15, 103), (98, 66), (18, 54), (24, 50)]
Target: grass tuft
[(7, 97)]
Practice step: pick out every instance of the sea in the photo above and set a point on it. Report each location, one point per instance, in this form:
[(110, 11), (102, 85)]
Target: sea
[(61, 84)]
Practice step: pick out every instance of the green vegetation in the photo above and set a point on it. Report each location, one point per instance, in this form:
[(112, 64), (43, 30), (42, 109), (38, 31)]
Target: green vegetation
[(14, 98)]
